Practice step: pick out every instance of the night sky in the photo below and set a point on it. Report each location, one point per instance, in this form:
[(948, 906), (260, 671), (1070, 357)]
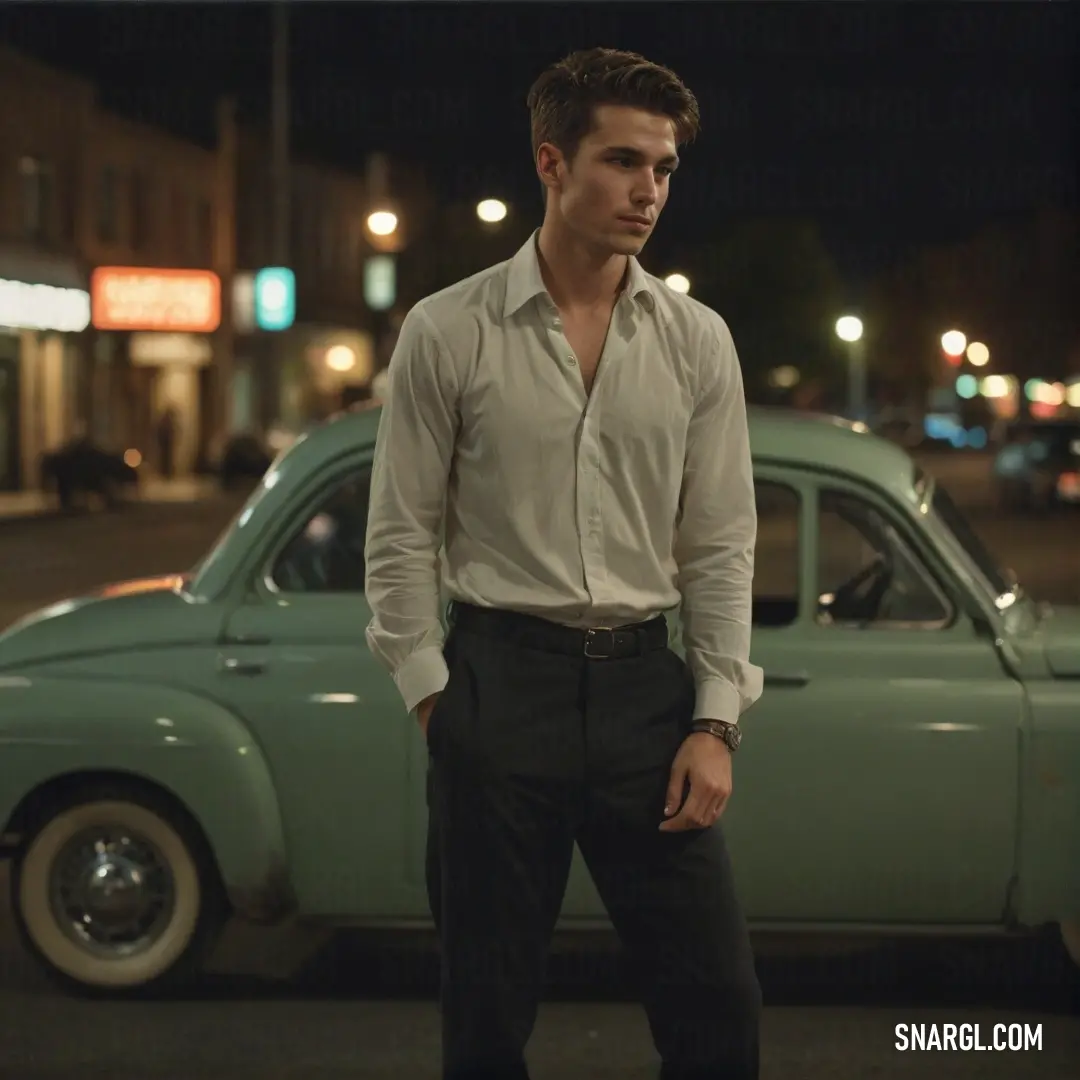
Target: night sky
[(890, 124)]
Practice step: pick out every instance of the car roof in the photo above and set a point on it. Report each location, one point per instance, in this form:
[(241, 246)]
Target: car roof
[(780, 436), (833, 444)]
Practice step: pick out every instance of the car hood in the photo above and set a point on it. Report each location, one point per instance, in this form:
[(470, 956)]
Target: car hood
[(1061, 637), (140, 613)]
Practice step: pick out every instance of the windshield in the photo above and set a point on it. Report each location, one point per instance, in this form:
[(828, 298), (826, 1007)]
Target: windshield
[(238, 519), (218, 540), (954, 519)]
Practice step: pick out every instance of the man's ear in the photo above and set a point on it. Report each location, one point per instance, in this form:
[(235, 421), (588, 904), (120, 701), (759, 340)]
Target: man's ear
[(549, 165)]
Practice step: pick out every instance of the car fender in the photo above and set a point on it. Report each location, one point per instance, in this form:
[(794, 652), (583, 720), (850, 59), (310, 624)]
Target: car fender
[(1049, 835), (198, 751)]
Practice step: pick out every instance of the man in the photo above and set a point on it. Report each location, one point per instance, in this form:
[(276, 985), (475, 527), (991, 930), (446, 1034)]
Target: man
[(572, 434)]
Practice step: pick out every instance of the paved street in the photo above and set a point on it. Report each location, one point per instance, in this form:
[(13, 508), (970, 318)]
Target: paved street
[(48, 558), (355, 1011), (354, 1018)]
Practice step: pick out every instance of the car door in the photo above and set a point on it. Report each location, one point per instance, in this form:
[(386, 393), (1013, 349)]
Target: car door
[(877, 778), (346, 757), (776, 603)]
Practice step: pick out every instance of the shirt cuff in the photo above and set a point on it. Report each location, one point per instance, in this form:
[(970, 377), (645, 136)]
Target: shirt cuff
[(717, 700), (423, 674)]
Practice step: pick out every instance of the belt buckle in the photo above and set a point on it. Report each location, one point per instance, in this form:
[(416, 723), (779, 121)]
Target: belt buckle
[(590, 636)]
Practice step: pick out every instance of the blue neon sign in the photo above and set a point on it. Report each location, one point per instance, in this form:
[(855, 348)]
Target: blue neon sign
[(275, 298)]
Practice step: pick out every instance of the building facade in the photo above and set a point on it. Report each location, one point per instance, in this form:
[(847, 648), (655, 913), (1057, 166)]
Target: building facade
[(156, 222), (116, 251), (127, 273), (44, 286), (328, 356)]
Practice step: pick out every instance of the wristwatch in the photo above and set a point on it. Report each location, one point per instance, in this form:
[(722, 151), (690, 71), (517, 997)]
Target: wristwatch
[(729, 734)]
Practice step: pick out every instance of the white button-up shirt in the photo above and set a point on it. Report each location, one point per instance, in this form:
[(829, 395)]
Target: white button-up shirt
[(585, 509)]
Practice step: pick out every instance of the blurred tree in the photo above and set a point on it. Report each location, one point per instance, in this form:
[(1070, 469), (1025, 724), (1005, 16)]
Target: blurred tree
[(452, 243), (778, 288), (1012, 286), (1024, 279), (905, 313)]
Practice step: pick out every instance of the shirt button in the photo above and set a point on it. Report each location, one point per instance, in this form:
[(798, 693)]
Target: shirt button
[(571, 360)]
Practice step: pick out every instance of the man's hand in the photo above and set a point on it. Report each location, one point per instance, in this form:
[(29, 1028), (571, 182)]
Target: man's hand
[(705, 762), (423, 712)]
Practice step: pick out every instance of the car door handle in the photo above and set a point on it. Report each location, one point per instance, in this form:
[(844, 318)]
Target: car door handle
[(793, 679), (233, 665)]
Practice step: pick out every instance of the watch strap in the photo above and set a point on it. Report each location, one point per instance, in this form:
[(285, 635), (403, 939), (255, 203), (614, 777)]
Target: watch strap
[(728, 733)]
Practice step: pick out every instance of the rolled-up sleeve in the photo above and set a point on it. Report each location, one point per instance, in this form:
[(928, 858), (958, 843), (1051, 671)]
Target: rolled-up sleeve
[(716, 535), (413, 454)]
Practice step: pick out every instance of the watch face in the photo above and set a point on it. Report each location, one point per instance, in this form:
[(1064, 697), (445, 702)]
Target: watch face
[(734, 737)]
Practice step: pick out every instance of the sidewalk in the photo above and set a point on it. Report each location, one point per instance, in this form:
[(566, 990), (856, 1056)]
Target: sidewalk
[(25, 504)]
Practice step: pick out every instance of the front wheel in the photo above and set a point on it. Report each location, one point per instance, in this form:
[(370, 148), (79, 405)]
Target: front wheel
[(114, 894)]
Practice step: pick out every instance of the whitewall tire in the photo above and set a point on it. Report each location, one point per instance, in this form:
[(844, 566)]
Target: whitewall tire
[(112, 894)]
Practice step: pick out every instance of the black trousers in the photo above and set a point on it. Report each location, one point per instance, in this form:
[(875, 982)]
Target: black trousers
[(534, 746)]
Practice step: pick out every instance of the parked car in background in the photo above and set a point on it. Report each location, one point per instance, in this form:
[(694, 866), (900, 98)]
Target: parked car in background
[(1037, 466), (903, 426), (243, 461), (81, 470), (221, 742)]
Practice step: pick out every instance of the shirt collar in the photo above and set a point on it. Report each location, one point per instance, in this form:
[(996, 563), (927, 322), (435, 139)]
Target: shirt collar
[(524, 280)]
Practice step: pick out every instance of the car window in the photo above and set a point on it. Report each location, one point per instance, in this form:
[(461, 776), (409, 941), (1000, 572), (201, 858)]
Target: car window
[(326, 552), (868, 575), (776, 557)]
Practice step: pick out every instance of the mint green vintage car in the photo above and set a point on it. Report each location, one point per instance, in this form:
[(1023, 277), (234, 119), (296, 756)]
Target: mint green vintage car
[(177, 751)]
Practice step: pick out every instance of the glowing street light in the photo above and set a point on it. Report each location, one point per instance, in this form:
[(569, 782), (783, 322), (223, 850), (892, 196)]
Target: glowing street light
[(849, 328), (679, 283), (978, 354), (491, 210), (967, 387), (785, 377), (953, 343), (340, 358), (382, 223)]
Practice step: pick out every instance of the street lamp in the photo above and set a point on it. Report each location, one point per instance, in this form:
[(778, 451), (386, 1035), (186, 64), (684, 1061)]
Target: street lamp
[(679, 283), (491, 211), (382, 223), (340, 358), (849, 329), (953, 343), (978, 354)]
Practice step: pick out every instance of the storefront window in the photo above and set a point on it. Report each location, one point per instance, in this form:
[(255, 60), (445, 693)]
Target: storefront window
[(37, 187), (140, 211), (205, 231), (107, 206)]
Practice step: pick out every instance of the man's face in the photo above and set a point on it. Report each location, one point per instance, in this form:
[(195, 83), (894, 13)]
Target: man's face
[(612, 193)]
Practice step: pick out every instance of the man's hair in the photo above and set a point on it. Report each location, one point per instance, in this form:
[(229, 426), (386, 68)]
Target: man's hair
[(563, 99)]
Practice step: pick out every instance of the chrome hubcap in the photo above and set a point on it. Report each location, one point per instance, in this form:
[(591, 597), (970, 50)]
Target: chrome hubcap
[(112, 891)]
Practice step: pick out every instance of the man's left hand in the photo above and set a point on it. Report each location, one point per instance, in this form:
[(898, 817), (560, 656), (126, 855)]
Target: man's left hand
[(705, 762)]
